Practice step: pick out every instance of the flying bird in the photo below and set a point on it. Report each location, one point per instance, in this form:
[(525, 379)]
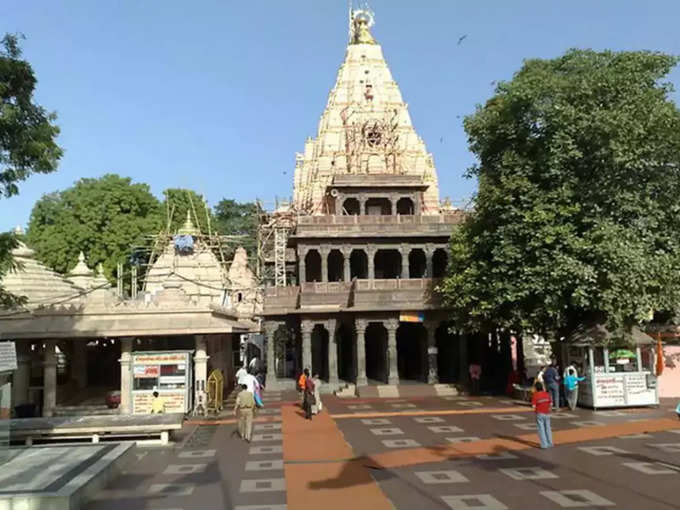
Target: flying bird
[(461, 39), (441, 140)]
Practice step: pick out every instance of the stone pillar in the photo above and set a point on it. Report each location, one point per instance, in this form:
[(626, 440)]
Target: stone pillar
[(431, 348), (307, 327), (429, 253), (200, 369), (362, 205), (393, 204), (50, 378), (331, 326), (463, 358), (302, 276), (324, 252), (125, 376), (79, 363), (370, 253), (404, 251), (21, 378), (360, 326), (270, 329), (347, 254), (392, 325)]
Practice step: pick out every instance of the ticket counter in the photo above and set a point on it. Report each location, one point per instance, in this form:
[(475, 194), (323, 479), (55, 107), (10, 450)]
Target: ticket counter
[(169, 373)]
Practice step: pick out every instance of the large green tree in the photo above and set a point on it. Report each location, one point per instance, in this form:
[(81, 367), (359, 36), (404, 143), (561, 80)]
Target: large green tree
[(234, 218), (577, 215), (27, 138), (105, 218)]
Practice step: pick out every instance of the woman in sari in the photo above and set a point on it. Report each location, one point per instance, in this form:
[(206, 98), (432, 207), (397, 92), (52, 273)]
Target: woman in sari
[(318, 406)]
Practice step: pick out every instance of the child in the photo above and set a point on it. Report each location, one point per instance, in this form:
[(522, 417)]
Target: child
[(157, 404), (541, 403)]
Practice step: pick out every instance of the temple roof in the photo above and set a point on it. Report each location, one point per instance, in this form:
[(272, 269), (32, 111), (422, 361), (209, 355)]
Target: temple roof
[(365, 129)]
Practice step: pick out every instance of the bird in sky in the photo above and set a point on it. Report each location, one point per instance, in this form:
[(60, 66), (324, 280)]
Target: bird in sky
[(461, 39)]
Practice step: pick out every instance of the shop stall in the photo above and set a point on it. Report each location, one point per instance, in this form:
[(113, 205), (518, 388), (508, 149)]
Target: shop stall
[(622, 376), (167, 372)]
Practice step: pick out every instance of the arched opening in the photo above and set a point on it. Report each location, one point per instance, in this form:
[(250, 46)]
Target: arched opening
[(313, 266), (358, 264), (287, 363), (387, 264), (448, 347), (439, 261), (405, 206), (335, 266), (378, 207), (411, 352), (346, 353), (351, 207), (376, 353), (320, 352), (417, 263)]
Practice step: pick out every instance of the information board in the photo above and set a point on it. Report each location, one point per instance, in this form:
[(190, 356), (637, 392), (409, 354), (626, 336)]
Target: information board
[(169, 373)]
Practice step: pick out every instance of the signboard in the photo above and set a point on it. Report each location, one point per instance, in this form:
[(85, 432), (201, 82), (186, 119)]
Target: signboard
[(160, 358), (609, 391), (169, 373), (623, 389), (147, 371), (8, 357), (411, 316)]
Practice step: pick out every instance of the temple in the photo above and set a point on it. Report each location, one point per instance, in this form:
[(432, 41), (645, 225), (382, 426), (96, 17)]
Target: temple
[(360, 250)]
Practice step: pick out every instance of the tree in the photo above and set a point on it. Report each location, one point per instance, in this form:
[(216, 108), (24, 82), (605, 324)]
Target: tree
[(27, 139), (578, 209), (105, 218), (177, 202), (238, 219)]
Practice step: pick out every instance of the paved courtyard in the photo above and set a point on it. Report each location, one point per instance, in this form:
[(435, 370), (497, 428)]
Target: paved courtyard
[(425, 453)]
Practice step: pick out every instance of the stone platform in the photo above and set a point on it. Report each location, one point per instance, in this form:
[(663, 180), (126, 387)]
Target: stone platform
[(59, 477)]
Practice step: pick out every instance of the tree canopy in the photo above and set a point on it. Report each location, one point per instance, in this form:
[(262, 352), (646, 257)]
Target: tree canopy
[(238, 219), (103, 217), (577, 213), (27, 139), (176, 203)]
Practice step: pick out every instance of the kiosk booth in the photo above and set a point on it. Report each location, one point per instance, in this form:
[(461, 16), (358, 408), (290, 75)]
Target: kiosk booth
[(167, 372), (614, 376)]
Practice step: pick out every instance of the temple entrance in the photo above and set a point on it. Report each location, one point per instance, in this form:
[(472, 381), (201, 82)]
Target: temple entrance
[(387, 264), (335, 266), (376, 353), (287, 354), (320, 352), (358, 263), (346, 353), (448, 348), (411, 353), (313, 266)]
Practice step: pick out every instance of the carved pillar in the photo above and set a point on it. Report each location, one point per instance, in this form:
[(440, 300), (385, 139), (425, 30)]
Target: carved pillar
[(429, 253), (79, 363), (362, 205), (21, 378), (360, 326), (200, 371), (125, 376), (324, 251), (49, 378), (270, 329), (431, 348), (346, 254), (331, 326), (392, 325), (370, 252), (404, 250), (302, 262), (306, 327), (393, 204)]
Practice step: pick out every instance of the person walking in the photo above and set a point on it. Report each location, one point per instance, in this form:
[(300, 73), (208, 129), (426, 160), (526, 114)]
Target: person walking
[(240, 374), (475, 377), (301, 387), (243, 409), (541, 402), (308, 399), (318, 406), (571, 387), (551, 380)]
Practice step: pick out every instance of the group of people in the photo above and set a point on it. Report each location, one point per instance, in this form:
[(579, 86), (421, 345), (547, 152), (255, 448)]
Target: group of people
[(248, 399), (310, 388), (544, 401)]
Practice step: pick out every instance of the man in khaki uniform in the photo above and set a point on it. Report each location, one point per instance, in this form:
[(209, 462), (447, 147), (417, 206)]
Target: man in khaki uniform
[(243, 409)]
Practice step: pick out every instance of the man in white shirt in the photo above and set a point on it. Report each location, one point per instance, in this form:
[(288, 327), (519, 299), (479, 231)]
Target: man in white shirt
[(240, 375), (251, 382)]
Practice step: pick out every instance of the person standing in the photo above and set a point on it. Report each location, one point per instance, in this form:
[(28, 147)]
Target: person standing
[(308, 395), (301, 387), (318, 406), (541, 402), (243, 409), (571, 387), (240, 374), (551, 380), (475, 377)]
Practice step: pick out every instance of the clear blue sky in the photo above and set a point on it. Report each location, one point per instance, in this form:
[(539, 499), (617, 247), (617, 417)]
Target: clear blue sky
[(218, 96)]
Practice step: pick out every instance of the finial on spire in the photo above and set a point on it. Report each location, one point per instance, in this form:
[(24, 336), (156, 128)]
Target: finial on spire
[(360, 23), (188, 228)]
